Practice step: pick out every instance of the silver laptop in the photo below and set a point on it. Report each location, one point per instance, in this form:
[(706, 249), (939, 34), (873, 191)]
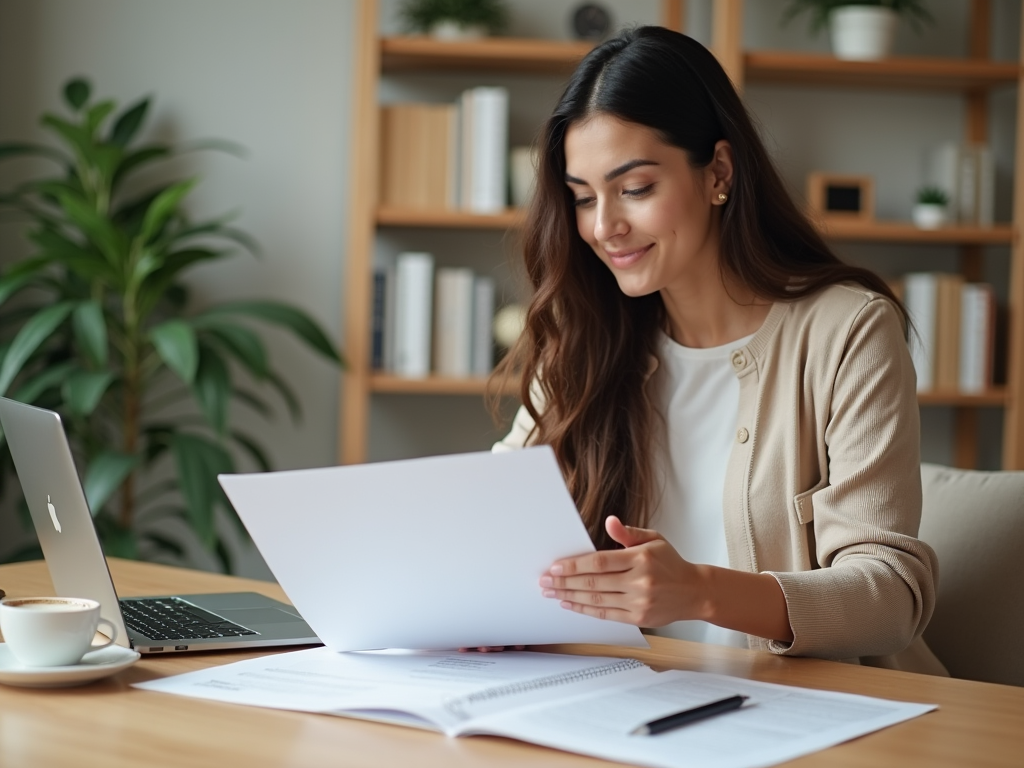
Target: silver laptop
[(77, 567)]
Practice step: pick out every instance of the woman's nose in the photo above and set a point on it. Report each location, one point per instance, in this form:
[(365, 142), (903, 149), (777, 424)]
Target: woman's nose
[(608, 221)]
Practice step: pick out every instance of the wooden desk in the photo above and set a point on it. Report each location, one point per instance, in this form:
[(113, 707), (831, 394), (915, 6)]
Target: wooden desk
[(112, 725)]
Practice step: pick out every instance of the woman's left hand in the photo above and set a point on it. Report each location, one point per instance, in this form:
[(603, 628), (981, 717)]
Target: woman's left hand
[(646, 584)]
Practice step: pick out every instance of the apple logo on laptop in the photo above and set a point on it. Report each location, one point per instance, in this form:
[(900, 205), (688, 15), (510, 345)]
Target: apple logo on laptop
[(53, 513)]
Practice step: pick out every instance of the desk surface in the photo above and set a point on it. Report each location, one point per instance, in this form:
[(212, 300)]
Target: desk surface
[(977, 724)]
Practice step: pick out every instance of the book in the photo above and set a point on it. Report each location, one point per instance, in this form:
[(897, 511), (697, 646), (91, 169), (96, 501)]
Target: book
[(377, 320), (484, 153), (920, 290), (947, 331), (482, 358), (966, 173), (417, 145), (977, 337), (587, 705), (414, 273), (453, 318)]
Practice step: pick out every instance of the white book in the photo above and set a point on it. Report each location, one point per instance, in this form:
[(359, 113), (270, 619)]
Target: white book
[(489, 172), (986, 180), (453, 322), (482, 360), (465, 153), (967, 187), (414, 273), (921, 297), (944, 172), (976, 334)]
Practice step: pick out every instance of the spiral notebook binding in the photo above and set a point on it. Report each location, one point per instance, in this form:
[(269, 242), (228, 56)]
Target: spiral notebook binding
[(457, 706)]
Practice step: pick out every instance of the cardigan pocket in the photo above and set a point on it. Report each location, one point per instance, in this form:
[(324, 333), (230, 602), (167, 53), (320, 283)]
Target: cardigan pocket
[(803, 505)]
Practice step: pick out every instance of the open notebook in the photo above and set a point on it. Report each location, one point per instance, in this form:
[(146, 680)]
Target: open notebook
[(581, 704)]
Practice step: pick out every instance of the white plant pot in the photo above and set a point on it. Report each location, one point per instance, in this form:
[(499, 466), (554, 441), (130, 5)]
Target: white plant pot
[(930, 215), (455, 30), (862, 32)]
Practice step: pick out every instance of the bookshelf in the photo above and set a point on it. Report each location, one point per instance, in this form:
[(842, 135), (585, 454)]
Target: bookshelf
[(974, 77)]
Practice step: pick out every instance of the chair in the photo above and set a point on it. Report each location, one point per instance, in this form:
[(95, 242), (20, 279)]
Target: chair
[(975, 522)]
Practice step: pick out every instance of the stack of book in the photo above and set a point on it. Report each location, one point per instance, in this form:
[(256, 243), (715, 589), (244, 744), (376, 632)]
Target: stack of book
[(953, 344), (967, 175), (447, 156), (425, 323)]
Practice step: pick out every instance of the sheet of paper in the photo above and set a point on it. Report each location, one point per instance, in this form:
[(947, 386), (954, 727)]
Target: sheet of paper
[(778, 723), (442, 552), (424, 688)]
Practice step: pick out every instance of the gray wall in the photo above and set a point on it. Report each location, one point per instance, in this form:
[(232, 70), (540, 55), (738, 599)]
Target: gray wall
[(276, 76)]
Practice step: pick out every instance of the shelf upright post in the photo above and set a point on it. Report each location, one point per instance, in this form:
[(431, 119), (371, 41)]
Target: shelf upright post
[(727, 38), (673, 15), (1013, 424), (355, 392), (972, 255)]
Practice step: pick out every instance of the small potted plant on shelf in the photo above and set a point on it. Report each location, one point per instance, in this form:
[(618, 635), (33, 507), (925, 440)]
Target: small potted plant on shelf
[(931, 211), (454, 19), (860, 30)]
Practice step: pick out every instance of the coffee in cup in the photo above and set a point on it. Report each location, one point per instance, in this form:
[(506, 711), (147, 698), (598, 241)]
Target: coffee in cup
[(52, 631)]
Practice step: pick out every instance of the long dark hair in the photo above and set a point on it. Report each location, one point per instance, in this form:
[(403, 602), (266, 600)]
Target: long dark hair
[(585, 353)]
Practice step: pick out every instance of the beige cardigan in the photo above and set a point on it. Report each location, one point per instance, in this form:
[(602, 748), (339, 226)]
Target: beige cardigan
[(823, 487)]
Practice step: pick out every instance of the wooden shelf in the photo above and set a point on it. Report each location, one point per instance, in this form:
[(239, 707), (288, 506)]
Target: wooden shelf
[(443, 217), (496, 54), (434, 385), (997, 396), (905, 232), (948, 74)]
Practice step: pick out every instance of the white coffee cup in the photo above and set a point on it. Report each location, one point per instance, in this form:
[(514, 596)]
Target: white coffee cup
[(52, 631)]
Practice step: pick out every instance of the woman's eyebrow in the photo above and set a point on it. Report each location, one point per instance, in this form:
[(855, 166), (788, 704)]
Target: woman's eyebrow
[(615, 172)]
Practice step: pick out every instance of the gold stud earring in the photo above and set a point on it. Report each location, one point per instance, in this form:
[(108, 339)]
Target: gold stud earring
[(722, 197)]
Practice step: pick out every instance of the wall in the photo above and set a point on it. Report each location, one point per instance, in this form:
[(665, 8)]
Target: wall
[(276, 76)]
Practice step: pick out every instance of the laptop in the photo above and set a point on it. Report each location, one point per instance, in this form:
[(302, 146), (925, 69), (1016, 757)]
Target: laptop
[(162, 624)]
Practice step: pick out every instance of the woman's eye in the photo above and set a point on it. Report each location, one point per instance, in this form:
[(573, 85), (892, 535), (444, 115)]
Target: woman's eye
[(583, 202), (640, 192)]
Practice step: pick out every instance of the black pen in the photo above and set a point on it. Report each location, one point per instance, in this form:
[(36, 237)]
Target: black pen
[(687, 716)]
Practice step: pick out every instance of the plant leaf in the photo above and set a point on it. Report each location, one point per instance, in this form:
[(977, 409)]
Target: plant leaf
[(76, 93), (241, 343), (19, 148), (73, 134), (35, 331), (97, 114), (91, 331), (51, 377), (288, 317), (137, 158), (212, 387), (199, 462), (128, 124), (287, 394), (96, 227), (87, 264), (175, 342), (250, 446), (82, 390), (165, 204), (106, 472)]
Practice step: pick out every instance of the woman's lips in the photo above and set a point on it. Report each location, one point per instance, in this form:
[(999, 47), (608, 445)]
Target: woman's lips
[(623, 259)]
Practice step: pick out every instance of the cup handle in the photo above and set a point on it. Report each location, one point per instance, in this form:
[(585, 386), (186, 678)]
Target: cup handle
[(112, 634)]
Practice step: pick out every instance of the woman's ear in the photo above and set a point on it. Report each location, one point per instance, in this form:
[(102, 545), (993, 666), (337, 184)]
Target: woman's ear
[(719, 172)]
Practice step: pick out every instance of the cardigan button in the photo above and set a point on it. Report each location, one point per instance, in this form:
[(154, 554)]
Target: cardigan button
[(738, 360), (742, 435)]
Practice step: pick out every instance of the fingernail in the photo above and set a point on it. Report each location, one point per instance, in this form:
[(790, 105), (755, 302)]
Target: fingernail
[(549, 593), (565, 604), (555, 570), (547, 581)]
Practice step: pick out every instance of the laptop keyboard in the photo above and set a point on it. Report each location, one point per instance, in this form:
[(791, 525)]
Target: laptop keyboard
[(170, 618)]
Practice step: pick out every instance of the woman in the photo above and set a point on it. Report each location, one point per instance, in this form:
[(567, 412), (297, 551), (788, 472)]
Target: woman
[(732, 407)]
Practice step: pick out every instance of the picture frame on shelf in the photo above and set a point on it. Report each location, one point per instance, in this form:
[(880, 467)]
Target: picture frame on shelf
[(833, 196)]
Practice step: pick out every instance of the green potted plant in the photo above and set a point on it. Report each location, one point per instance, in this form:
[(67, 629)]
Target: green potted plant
[(932, 208), (97, 324), (454, 19), (860, 30)]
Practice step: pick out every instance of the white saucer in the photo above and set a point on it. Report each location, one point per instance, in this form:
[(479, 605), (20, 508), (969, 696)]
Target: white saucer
[(93, 666)]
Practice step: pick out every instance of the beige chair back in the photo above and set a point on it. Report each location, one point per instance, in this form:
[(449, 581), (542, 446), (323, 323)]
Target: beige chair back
[(975, 522)]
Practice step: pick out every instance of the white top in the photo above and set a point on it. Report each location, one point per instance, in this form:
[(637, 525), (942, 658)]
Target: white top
[(697, 396)]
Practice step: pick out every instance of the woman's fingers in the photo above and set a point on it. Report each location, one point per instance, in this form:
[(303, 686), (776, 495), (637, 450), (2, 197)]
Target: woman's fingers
[(600, 611), (614, 561)]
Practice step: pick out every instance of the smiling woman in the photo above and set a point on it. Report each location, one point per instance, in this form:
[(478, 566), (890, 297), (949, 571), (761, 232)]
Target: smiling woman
[(733, 408)]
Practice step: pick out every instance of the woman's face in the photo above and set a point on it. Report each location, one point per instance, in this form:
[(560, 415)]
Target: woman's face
[(647, 213)]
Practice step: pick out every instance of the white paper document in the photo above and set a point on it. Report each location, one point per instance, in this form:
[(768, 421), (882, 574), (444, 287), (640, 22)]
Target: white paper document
[(442, 552), (581, 704)]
